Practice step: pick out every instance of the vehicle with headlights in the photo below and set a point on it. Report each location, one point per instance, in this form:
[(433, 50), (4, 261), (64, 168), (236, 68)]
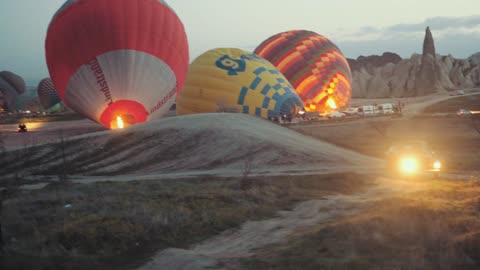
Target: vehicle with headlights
[(413, 158), (462, 112)]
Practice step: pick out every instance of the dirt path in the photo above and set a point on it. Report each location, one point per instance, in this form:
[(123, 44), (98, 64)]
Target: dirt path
[(252, 235), (413, 105), (45, 132), (416, 108)]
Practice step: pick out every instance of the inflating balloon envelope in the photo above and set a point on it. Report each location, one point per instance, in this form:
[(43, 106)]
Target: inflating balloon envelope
[(314, 66), (233, 80), (11, 87), (48, 96), (118, 62)]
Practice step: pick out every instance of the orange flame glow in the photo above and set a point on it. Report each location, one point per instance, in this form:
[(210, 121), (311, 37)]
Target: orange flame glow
[(331, 103)]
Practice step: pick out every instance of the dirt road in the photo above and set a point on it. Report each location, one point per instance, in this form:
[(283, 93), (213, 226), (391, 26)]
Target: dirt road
[(47, 132)]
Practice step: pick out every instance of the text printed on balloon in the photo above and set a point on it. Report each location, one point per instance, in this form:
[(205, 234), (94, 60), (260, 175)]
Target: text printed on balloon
[(101, 81)]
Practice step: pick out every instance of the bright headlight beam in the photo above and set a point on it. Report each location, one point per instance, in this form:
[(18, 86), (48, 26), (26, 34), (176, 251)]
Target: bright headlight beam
[(409, 165), (120, 124)]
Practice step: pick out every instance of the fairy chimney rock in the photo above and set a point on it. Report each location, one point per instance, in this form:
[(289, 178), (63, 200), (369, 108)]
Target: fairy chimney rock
[(428, 44)]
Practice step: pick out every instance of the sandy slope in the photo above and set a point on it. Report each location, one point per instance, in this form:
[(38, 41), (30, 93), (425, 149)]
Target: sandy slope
[(200, 144)]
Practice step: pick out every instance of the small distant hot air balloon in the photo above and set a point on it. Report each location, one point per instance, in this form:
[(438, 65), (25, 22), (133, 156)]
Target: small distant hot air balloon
[(313, 65), (237, 81), (117, 61), (48, 96), (11, 86)]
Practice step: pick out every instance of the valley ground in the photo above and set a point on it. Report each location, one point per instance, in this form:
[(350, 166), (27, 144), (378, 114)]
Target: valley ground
[(329, 220)]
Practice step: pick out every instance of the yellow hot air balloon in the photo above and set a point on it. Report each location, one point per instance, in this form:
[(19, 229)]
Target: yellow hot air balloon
[(233, 80)]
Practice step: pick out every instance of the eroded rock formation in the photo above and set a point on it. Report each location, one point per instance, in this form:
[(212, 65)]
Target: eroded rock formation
[(391, 76)]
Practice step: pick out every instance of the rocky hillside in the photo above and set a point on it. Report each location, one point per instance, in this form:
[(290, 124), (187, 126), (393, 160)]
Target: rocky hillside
[(389, 75)]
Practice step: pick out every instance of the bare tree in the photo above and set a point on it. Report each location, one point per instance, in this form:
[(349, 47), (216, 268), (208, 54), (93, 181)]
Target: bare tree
[(2, 152), (380, 127), (1, 213), (3, 193), (248, 165), (61, 146), (2, 145)]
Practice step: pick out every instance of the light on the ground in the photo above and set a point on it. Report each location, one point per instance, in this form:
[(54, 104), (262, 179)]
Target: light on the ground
[(437, 165)]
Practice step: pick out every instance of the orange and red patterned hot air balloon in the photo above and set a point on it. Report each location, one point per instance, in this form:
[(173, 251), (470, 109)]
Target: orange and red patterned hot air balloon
[(314, 66), (117, 59)]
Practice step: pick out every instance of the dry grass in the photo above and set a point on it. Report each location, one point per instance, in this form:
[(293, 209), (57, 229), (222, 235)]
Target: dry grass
[(455, 104), (434, 229), (116, 225), (452, 137)]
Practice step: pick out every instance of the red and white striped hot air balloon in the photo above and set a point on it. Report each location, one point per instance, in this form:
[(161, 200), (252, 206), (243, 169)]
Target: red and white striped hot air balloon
[(116, 60)]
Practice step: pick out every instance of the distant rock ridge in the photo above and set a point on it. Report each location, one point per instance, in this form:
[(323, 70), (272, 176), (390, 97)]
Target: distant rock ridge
[(389, 75), (374, 61)]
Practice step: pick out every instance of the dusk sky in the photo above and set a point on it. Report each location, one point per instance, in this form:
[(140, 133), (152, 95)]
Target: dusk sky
[(357, 27)]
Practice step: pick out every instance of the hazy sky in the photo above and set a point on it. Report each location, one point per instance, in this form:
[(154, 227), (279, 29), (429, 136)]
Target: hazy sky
[(358, 27)]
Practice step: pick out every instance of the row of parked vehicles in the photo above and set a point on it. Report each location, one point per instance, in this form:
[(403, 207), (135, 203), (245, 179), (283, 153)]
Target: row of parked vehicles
[(367, 110)]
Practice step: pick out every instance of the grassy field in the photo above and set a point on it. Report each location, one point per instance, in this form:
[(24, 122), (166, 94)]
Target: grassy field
[(452, 138), (434, 229), (119, 225)]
